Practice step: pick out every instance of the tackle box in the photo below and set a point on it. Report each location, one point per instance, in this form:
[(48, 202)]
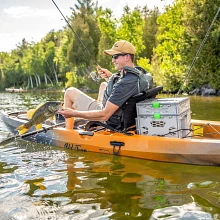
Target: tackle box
[(164, 117), (164, 106)]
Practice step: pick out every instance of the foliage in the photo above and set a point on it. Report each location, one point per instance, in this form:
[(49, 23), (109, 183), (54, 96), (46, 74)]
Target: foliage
[(149, 31), (107, 25), (198, 18), (145, 63), (131, 28), (166, 44), (71, 79), (171, 43)]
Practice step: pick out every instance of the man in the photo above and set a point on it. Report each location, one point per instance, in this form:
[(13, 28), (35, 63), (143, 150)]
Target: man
[(127, 82)]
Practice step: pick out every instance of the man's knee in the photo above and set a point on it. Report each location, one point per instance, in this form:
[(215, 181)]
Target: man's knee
[(71, 89), (103, 85), (72, 92)]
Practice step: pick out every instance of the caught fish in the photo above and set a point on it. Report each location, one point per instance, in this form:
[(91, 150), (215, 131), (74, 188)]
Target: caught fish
[(37, 116)]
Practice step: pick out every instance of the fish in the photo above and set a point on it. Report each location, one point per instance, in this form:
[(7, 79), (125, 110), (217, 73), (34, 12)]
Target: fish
[(37, 116)]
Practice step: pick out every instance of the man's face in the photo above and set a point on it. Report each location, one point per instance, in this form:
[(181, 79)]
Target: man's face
[(120, 60)]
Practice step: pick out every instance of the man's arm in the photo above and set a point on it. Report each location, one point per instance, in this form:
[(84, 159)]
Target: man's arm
[(93, 115)]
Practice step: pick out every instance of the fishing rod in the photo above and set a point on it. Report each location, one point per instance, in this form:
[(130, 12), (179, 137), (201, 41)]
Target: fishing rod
[(43, 129), (199, 50), (93, 75)]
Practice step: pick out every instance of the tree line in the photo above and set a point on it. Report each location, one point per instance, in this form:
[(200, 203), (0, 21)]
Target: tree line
[(166, 45)]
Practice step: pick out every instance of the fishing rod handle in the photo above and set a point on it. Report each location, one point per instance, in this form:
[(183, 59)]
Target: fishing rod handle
[(100, 72)]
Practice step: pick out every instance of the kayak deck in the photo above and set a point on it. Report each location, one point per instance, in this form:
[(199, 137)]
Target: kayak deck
[(206, 129)]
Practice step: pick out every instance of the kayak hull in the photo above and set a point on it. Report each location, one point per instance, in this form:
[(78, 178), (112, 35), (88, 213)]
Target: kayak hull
[(196, 150)]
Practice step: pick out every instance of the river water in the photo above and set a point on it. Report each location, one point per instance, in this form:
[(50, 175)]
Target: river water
[(44, 182)]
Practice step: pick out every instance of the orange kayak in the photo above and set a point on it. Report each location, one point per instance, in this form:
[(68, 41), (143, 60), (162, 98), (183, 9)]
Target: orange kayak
[(201, 147)]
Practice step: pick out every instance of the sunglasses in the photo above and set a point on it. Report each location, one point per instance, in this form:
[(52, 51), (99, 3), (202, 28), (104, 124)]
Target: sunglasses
[(118, 55)]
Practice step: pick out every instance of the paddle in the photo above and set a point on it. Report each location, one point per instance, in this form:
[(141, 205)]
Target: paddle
[(11, 139)]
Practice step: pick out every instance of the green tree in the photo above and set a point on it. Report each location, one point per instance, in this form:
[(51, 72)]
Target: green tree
[(3, 58), (149, 31), (60, 58), (198, 16), (131, 28), (108, 26), (83, 43), (167, 60), (12, 69), (49, 64)]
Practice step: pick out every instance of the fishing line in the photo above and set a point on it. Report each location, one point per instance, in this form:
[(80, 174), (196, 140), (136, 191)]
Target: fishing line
[(76, 34), (199, 50)]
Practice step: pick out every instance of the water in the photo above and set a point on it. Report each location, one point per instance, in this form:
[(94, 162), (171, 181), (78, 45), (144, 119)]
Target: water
[(44, 182)]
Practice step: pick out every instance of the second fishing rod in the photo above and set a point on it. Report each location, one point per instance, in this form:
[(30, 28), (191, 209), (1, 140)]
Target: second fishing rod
[(198, 51), (95, 76)]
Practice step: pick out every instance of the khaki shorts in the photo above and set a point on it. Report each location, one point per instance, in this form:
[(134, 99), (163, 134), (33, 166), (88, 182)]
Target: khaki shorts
[(85, 103)]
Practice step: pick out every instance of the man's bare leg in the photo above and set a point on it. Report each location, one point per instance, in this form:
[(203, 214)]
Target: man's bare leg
[(102, 88), (70, 96)]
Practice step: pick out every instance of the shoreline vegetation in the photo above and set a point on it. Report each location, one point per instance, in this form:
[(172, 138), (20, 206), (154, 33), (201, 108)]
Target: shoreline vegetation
[(206, 90), (166, 44)]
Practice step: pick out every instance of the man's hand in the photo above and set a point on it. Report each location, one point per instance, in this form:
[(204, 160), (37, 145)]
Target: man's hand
[(104, 73), (66, 113)]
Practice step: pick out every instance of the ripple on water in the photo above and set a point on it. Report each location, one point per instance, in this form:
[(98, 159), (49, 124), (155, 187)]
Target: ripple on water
[(26, 209), (203, 184), (181, 212), (35, 186), (10, 186)]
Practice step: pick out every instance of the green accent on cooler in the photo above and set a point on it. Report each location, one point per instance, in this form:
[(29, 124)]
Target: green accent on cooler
[(156, 105), (156, 115)]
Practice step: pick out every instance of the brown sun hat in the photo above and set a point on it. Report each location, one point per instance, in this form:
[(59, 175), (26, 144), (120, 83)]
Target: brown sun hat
[(121, 46)]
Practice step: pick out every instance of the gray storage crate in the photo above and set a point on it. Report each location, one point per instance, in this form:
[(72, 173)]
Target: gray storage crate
[(163, 106), (168, 125)]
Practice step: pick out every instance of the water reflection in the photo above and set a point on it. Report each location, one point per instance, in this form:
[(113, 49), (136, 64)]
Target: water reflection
[(140, 187), (39, 181)]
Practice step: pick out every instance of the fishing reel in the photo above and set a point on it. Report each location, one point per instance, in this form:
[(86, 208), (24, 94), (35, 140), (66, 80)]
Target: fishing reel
[(95, 76)]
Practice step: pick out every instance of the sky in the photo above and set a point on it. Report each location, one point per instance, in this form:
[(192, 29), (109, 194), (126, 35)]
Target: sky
[(33, 19)]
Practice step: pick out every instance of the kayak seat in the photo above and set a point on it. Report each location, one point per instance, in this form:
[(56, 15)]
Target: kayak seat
[(129, 112), (129, 107)]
